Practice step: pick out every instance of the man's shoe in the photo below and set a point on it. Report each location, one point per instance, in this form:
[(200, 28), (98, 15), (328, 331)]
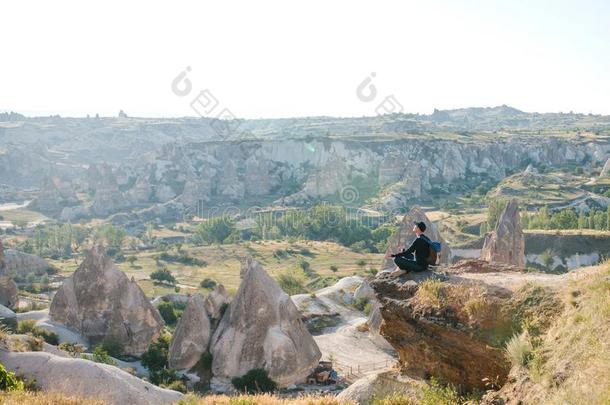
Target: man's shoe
[(398, 273)]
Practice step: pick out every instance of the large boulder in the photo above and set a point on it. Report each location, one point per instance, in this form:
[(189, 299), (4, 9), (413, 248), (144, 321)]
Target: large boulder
[(9, 294), (506, 244), (21, 264), (217, 301), (381, 385), (84, 378), (7, 317), (192, 335), (405, 236), (100, 302), (262, 328)]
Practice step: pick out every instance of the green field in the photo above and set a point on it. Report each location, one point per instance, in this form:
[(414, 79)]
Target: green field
[(223, 263)]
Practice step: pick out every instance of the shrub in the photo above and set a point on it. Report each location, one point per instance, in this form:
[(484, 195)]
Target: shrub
[(334, 268), (73, 348), (48, 336), (291, 284), (163, 275), (360, 303), (112, 346), (436, 394), (518, 349), (8, 381), (101, 356), (34, 344), (163, 377), (395, 398), (176, 385), (254, 381), (208, 283), (26, 326), (155, 357), (206, 360), (168, 313)]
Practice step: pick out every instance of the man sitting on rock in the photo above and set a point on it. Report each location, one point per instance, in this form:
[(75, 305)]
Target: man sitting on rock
[(420, 246)]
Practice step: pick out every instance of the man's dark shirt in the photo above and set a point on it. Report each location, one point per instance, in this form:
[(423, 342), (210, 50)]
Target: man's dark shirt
[(421, 248)]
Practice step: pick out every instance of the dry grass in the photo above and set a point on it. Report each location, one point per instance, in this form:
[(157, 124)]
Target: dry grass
[(39, 398), (265, 399), (430, 294), (575, 353)]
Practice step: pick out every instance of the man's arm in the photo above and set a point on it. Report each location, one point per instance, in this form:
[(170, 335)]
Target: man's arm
[(408, 251)]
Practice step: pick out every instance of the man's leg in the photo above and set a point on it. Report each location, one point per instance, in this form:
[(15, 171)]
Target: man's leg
[(404, 266)]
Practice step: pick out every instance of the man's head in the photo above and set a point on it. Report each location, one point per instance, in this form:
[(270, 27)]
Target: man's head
[(419, 228)]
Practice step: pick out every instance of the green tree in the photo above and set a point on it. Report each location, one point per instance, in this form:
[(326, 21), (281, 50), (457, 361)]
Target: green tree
[(215, 230)]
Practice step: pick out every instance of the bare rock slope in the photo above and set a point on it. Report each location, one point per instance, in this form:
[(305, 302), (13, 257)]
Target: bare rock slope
[(100, 302), (262, 328), (87, 379)]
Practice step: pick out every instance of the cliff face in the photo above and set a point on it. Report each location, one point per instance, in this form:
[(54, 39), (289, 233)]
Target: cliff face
[(289, 170), (453, 326)]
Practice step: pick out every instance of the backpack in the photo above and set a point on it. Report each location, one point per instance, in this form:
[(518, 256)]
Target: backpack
[(434, 248)]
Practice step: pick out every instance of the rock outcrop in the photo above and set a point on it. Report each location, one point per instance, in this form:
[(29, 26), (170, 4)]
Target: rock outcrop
[(262, 328), (405, 236), (107, 198), (100, 302), (506, 244), (192, 335), (7, 317), (9, 294), (427, 321), (381, 385), (54, 195), (87, 379), (217, 301), (21, 264)]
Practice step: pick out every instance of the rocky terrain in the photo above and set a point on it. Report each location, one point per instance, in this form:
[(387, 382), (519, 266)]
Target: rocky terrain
[(262, 328), (101, 303), (138, 164)]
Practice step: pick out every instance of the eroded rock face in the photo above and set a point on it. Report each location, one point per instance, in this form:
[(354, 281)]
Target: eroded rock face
[(440, 337), (54, 195), (405, 236), (606, 169), (108, 198), (84, 378), (262, 328), (21, 264), (216, 302), (100, 302), (192, 335), (506, 244), (9, 294)]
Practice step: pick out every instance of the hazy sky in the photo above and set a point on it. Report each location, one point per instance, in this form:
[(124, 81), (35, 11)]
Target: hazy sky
[(288, 58)]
